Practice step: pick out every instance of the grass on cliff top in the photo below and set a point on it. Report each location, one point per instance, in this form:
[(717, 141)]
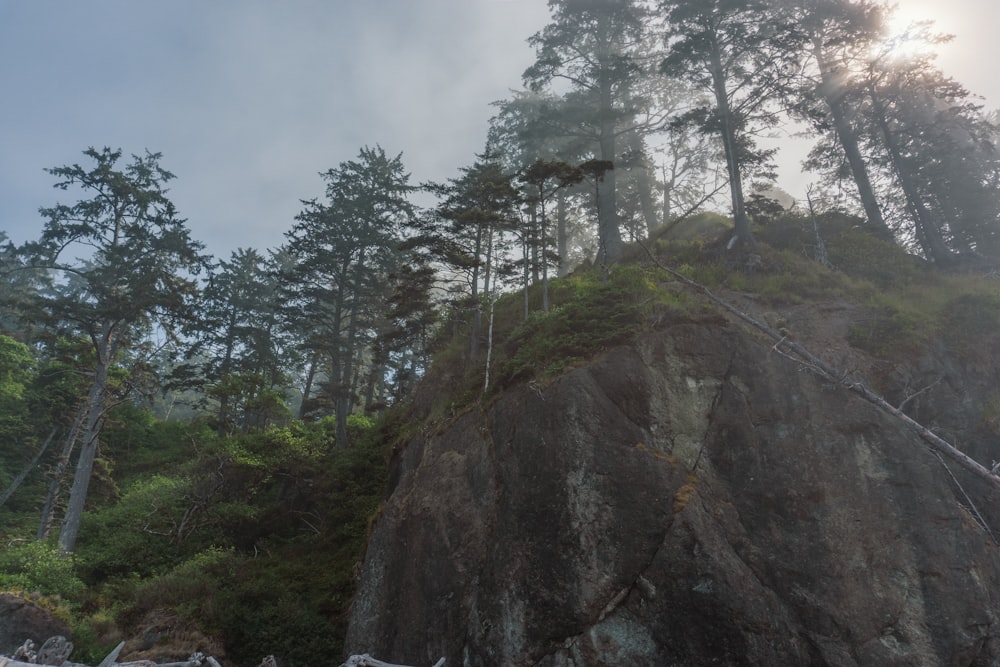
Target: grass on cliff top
[(909, 304), (905, 303), (588, 317)]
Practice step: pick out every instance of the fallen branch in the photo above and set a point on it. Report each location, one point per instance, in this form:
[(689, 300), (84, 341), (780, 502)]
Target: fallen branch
[(16, 482), (820, 367)]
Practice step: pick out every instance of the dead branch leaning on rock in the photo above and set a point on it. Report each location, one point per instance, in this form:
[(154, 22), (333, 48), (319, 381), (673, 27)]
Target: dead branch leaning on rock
[(804, 356)]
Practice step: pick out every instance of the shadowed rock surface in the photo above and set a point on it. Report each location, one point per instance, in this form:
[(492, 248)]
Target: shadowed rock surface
[(694, 498), (22, 619)]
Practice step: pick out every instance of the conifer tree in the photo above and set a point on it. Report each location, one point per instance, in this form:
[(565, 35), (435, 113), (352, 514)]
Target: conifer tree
[(139, 274)]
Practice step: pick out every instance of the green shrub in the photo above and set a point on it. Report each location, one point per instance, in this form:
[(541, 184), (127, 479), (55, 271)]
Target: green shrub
[(39, 567)]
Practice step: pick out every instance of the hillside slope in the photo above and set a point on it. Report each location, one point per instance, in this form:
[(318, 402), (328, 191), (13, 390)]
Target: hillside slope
[(694, 497)]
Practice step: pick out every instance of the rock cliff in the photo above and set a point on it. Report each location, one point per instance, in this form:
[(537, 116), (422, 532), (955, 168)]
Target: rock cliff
[(691, 498)]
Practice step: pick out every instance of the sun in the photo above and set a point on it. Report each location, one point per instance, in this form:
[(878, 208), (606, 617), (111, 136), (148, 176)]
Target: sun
[(911, 28)]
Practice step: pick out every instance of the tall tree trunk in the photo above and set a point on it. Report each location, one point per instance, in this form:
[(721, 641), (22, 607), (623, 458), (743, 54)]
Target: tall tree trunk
[(562, 234), (55, 484), (643, 175), (310, 378), (607, 195), (225, 415), (89, 443), (16, 482), (728, 129), (525, 254), (477, 307), (534, 243), (927, 231), (344, 403), (831, 91), (545, 249)]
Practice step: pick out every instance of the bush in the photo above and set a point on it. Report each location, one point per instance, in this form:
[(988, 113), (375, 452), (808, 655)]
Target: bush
[(139, 533), (39, 567)]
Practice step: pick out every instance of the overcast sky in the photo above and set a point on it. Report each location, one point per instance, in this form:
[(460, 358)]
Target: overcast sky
[(249, 99)]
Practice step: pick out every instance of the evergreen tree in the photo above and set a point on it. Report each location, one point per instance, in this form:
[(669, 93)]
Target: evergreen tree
[(739, 52), (467, 232), (242, 340), (932, 139), (139, 274), (838, 38), (343, 250), (596, 46)]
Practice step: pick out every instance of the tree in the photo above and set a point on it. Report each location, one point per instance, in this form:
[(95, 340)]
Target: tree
[(139, 274), (465, 233), (533, 126), (595, 46), (19, 288), (539, 175), (241, 338), (17, 373), (411, 319), (839, 36), (927, 133), (343, 250), (738, 51)]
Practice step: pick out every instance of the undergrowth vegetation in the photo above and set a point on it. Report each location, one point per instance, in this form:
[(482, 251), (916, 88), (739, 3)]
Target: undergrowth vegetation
[(252, 538)]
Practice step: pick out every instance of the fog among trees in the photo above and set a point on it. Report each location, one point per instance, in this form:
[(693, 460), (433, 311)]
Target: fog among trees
[(634, 116)]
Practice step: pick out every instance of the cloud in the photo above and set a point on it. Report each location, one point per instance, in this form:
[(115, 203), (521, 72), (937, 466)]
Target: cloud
[(249, 99)]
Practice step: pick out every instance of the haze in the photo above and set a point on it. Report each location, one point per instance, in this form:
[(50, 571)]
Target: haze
[(249, 99)]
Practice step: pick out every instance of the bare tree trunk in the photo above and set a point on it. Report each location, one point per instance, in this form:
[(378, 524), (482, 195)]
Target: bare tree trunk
[(740, 219), (562, 234), (544, 240), (477, 307), (524, 253), (55, 485), (831, 92), (16, 482), (89, 444), (307, 389)]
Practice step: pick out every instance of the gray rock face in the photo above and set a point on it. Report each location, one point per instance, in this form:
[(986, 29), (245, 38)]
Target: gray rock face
[(691, 499), (22, 619)]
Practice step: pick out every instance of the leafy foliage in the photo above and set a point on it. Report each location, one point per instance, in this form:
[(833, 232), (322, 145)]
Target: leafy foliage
[(38, 567), (254, 538)]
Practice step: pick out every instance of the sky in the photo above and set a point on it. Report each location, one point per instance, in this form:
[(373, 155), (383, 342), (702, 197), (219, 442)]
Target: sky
[(248, 100)]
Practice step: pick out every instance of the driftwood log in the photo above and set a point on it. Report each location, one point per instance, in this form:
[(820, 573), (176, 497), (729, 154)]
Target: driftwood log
[(55, 651), (366, 660)]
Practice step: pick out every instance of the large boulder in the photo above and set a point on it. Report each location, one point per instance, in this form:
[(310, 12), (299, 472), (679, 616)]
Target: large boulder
[(694, 498), (22, 619)]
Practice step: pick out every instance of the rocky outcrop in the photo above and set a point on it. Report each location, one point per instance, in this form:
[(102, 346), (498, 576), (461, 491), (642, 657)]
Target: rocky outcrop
[(694, 498), (22, 619)]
